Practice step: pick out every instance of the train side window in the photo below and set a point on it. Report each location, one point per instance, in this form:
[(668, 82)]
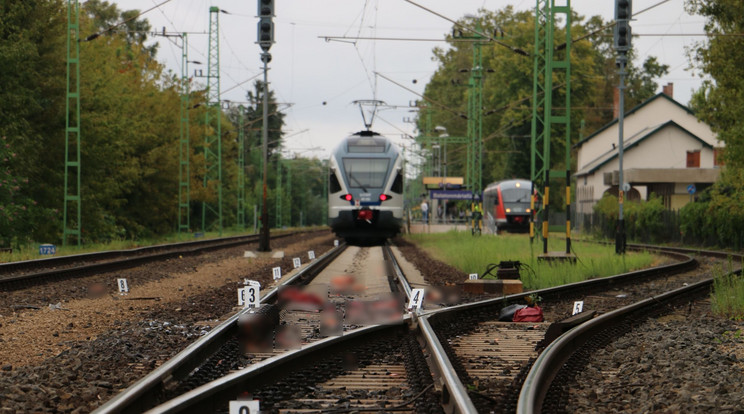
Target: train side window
[(334, 186), (397, 184)]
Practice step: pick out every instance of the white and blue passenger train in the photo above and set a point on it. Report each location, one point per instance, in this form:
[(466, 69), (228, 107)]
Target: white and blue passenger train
[(365, 192)]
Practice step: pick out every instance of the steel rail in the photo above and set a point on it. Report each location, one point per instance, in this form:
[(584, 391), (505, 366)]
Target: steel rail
[(214, 395), (118, 259), (143, 394), (547, 365), (455, 398)]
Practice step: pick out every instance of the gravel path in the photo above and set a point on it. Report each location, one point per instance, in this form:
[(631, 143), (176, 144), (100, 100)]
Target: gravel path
[(685, 362)]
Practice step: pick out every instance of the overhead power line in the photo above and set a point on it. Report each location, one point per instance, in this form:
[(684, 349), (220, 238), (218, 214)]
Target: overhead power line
[(110, 28)]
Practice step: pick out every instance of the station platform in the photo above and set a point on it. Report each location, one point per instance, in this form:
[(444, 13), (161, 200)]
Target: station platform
[(419, 227)]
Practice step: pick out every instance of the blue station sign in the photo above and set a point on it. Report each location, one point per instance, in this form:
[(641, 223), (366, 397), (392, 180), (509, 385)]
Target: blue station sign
[(452, 195)]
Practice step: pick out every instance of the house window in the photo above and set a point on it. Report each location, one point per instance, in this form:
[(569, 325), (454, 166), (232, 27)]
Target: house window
[(693, 159), (717, 157)]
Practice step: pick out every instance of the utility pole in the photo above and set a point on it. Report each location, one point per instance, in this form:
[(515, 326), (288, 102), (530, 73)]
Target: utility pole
[(241, 169), (184, 148), (265, 40), (279, 194), (622, 39), (72, 216), (213, 136), (545, 66)]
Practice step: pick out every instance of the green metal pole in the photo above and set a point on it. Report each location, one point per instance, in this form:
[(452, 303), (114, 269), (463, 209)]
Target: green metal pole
[(184, 148), (72, 216), (241, 169), (278, 191), (213, 137)]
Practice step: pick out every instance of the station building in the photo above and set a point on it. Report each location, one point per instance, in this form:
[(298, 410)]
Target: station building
[(667, 152)]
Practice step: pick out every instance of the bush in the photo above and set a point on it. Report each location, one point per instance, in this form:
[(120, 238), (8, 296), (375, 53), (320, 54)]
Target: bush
[(645, 221)]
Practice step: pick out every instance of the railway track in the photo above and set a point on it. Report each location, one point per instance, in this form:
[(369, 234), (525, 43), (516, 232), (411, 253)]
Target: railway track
[(19, 275), (549, 383), (460, 358)]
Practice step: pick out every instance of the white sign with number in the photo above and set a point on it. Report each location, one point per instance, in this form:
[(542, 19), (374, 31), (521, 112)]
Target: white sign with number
[(335, 243), (249, 296), (296, 262), (311, 255), (277, 273), (473, 276), (417, 299), (252, 283), (123, 286), (578, 307), (244, 407)]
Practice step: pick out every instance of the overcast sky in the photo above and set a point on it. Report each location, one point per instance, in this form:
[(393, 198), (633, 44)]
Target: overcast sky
[(307, 71)]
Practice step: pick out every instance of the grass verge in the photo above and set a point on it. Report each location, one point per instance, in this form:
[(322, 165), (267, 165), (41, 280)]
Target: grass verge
[(727, 298), (31, 251), (475, 254)]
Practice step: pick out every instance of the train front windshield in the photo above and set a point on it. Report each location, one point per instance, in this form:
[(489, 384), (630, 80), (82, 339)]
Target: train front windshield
[(366, 173), (516, 195)]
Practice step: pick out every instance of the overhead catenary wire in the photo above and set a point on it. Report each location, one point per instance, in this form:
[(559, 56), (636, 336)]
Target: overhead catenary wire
[(123, 22)]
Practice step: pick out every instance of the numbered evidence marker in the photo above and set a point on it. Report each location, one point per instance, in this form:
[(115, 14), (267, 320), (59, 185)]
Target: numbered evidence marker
[(296, 262), (335, 243), (578, 307), (473, 276), (249, 296), (251, 283), (123, 286), (277, 273), (417, 298), (244, 407), (311, 255)]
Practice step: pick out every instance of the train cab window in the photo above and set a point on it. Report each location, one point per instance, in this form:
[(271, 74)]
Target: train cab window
[(397, 184), (366, 173), (516, 195), (334, 186), (366, 145)]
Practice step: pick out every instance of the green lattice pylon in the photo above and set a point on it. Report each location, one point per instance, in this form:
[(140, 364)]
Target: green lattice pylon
[(549, 61), (184, 147), (278, 191), (241, 169), (212, 212), (475, 118), (72, 216)]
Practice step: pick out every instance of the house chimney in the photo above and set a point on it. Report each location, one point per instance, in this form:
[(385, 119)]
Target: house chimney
[(668, 89), (616, 103)]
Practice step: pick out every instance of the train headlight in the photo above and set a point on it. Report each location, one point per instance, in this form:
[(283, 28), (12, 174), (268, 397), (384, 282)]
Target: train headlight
[(508, 210), (347, 197), (527, 210), (385, 197)]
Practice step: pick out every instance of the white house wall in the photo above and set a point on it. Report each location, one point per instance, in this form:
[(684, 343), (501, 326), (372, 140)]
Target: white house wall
[(665, 149), (653, 114)]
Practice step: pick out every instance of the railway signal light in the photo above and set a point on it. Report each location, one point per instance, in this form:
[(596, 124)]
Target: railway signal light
[(622, 25), (265, 24)]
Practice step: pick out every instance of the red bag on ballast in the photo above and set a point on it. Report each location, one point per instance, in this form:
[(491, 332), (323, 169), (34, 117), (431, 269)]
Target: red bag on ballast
[(529, 314)]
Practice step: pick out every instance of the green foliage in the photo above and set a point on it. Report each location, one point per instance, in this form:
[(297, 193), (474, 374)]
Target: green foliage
[(475, 254), (644, 220), (727, 298), (719, 101), (717, 218)]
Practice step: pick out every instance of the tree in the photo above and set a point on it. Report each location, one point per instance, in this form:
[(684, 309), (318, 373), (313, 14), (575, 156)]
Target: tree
[(719, 101)]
